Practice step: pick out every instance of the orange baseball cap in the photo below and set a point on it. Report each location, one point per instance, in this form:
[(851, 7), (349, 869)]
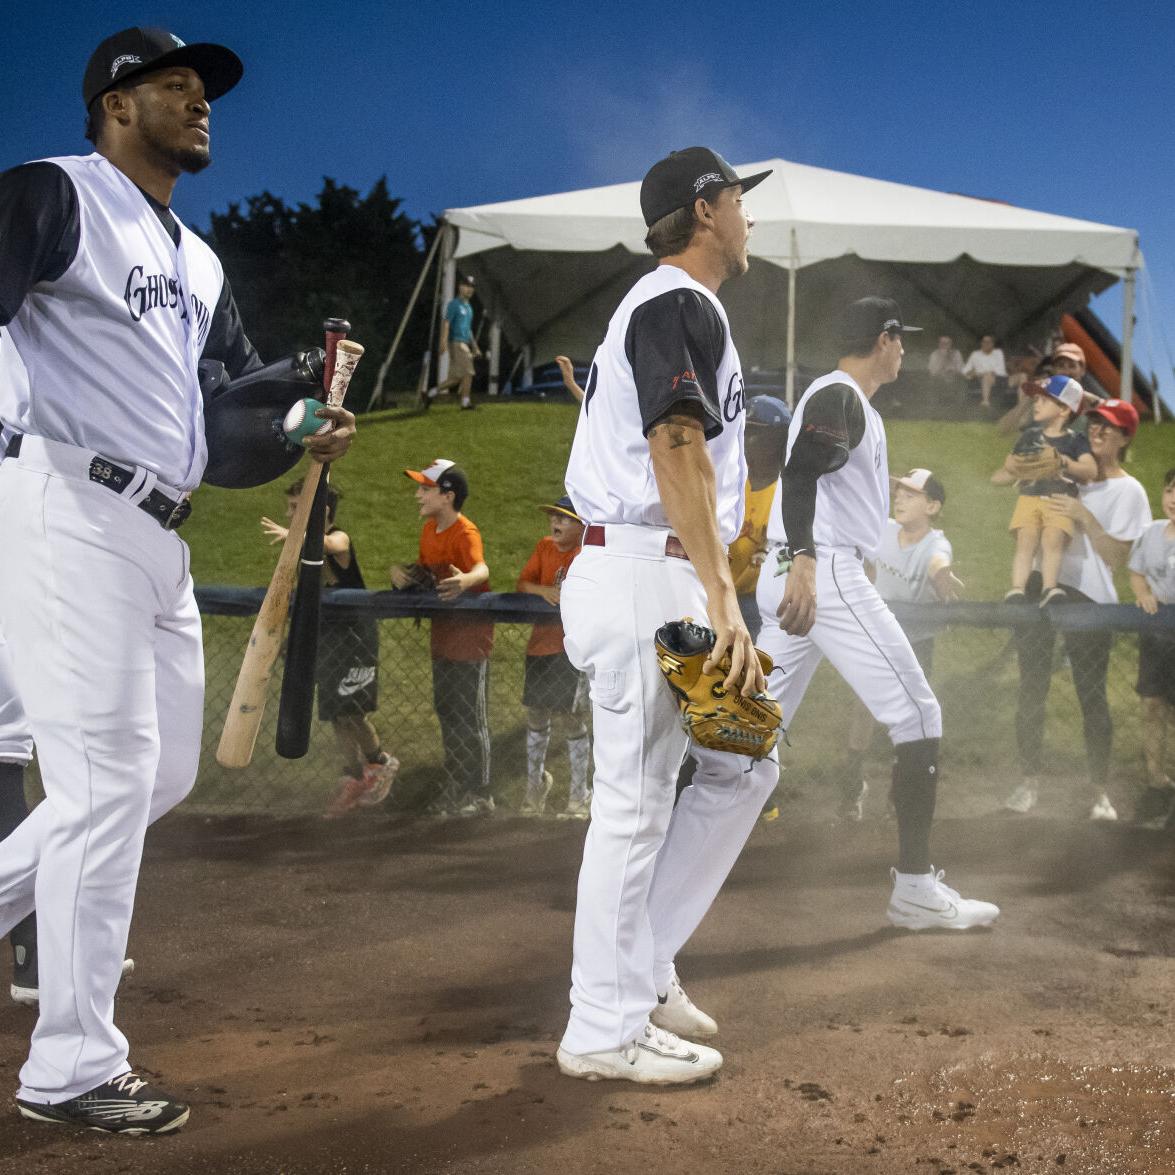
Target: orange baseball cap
[(432, 475)]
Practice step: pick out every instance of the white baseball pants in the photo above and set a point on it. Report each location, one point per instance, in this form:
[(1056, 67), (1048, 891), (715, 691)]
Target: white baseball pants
[(16, 743), (857, 632), (97, 605), (649, 872)]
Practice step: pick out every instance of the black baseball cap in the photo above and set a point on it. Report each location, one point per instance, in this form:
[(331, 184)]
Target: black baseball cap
[(682, 176), (465, 279), (866, 318), (141, 50)]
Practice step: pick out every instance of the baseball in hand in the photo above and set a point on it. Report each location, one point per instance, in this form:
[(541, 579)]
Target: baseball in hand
[(300, 421)]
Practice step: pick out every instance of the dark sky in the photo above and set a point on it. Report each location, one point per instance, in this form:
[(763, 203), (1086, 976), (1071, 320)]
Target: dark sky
[(1061, 107)]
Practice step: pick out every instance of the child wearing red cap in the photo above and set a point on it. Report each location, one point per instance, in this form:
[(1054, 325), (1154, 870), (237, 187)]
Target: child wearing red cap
[(554, 690), (1040, 528)]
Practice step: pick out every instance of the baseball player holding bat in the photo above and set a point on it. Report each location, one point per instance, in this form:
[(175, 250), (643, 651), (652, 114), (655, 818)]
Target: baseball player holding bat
[(817, 601), (110, 303), (657, 472)]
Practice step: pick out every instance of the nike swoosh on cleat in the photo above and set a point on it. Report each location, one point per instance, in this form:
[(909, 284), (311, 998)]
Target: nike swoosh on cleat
[(952, 911), (691, 1058)]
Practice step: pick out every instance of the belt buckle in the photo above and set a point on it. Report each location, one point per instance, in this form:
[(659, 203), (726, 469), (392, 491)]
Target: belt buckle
[(178, 515)]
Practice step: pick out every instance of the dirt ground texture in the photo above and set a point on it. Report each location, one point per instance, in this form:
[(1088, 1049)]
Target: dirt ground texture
[(384, 994)]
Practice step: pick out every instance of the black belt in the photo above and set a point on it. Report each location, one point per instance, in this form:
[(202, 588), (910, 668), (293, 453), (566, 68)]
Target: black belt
[(168, 512)]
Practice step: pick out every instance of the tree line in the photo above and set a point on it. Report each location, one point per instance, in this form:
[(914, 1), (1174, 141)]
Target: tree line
[(350, 255)]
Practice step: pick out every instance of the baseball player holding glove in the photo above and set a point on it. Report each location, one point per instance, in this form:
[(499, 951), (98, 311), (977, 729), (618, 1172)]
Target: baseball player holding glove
[(817, 601), (110, 303), (657, 472)]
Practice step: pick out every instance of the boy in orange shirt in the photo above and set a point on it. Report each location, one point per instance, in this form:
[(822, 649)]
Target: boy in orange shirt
[(452, 560), (554, 688)]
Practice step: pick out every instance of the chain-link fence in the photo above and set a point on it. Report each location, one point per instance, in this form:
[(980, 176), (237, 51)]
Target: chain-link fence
[(1053, 720)]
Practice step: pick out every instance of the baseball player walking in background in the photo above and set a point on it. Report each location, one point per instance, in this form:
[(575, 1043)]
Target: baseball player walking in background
[(109, 302), (657, 472), (817, 601)]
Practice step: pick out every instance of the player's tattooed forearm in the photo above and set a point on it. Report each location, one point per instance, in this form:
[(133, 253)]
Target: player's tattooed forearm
[(676, 429)]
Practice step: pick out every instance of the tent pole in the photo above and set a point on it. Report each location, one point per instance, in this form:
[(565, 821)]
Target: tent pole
[(791, 323), (1126, 384), (527, 366), (448, 291), (495, 354), (377, 394)]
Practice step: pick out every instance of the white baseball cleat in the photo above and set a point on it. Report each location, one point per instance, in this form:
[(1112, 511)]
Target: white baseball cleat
[(676, 1012), (656, 1057), (1023, 799), (922, 901)]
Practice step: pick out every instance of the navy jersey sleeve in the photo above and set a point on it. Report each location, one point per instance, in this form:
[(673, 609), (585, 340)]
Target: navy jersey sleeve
[(227, 340), (832, 426), (39, 231), (674, 344)]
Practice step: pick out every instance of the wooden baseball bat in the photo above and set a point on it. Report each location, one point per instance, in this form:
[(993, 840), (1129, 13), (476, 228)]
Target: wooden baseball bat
[(295, 709), (243, 720)]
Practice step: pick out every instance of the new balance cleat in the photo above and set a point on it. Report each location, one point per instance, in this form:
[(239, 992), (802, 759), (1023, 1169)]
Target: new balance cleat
[(124, 1105)]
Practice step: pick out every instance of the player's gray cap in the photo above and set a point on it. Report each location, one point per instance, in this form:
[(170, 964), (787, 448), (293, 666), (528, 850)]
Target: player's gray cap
[(141, 50), (682, 176)]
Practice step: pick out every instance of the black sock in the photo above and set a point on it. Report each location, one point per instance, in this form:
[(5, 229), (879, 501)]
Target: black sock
[(13, 808), (915, 781)]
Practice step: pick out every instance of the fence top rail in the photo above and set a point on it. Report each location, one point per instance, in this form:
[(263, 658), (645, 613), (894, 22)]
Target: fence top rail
[(524, 608)]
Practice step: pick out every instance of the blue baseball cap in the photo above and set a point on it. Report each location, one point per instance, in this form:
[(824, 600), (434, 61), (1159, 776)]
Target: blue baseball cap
[(768, 411), (562, 505)]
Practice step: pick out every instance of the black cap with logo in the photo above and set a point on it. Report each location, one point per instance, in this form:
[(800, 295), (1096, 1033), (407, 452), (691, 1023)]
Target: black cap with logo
[(682, 176), (141, 50), (866, 318)]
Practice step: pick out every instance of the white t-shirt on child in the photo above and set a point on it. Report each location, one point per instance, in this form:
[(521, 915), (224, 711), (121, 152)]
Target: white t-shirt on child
[(1153, 556)]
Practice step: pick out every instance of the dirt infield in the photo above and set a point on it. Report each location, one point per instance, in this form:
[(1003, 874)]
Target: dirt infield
[(384, 994)]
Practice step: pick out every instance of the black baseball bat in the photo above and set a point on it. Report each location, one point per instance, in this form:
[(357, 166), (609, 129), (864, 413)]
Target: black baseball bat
[(296, 707)]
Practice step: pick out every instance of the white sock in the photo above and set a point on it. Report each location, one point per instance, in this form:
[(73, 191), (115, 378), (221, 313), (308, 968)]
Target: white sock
[(579, 754), (536, 756)]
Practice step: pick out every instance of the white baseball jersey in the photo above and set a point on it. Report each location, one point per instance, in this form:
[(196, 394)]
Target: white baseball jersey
[(903, 573), (640, 370), (111, 346), (852, 500)]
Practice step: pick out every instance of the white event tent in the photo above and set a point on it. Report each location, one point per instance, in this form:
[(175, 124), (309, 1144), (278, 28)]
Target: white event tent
[(551, 269)]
